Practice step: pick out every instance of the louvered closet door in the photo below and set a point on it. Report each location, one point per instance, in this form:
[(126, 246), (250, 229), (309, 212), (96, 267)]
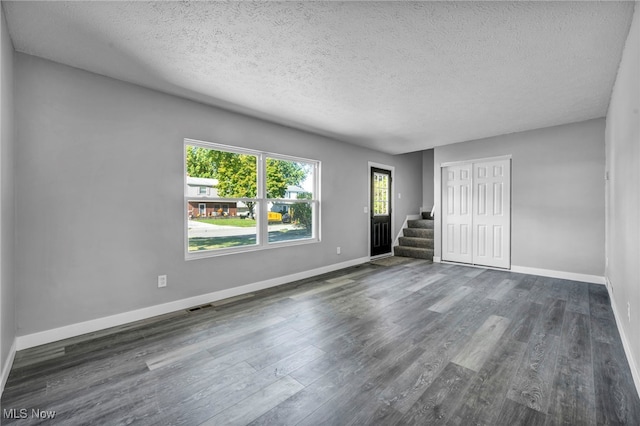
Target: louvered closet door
[(491, 213), (457, 213)]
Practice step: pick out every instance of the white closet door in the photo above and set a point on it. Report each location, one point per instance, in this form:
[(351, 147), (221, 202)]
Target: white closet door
[(492, 213), (457, 213), (476, 213)]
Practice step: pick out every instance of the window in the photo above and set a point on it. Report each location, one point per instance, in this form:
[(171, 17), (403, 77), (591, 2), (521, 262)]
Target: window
[(295, 220), (202, 190), (259, 200), (381, 194)]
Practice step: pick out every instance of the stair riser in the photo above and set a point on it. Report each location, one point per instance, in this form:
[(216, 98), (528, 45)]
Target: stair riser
[(418, 232), (416, 242)]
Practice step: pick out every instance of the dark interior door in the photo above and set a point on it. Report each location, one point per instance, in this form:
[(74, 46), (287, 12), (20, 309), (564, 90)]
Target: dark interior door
[(380, 211)]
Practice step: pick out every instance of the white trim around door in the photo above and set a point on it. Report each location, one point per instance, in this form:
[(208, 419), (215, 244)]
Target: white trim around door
[(391, 169)]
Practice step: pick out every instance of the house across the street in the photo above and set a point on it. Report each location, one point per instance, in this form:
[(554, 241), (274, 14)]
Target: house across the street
[(206, 188)]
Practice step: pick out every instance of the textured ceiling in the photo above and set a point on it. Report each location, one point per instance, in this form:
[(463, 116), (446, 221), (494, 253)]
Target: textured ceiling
[(393, 76)]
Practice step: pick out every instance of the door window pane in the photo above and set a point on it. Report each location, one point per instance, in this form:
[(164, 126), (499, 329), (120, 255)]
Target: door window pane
[(380, 194)]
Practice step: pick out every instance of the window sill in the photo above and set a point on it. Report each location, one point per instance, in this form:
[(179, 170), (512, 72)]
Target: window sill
[(205, 254)]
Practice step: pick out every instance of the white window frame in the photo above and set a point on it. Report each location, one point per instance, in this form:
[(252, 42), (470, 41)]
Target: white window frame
[(262, 226)]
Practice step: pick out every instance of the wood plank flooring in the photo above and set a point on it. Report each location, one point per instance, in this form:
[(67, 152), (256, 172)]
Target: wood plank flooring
[(412, 343)]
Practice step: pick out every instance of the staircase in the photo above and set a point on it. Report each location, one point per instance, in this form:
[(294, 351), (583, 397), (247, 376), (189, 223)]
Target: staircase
[(417, 239)]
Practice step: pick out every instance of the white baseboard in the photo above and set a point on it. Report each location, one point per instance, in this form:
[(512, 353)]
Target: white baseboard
[(633, 365), (436, 259), (594, 279), (6, 368), (73, 330)]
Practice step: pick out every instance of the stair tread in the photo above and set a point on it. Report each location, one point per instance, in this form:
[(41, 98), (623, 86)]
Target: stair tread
[(410, 248)]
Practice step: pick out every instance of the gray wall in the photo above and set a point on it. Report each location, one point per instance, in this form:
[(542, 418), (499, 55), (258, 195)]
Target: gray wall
[(7, 137), (93, 153), (557, 201), (427, 179), (623, 192)]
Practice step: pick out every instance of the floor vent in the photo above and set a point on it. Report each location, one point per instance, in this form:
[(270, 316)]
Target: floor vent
[(198, 308)]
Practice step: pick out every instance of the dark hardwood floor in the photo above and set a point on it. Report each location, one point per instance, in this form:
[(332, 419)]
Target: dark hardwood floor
[(414, 343)]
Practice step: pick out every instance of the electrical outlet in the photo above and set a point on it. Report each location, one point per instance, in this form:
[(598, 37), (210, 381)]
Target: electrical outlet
[(338, 250), (162, 281), (629, 311)]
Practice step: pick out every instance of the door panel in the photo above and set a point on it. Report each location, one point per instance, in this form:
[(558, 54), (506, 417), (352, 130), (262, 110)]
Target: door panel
[(380, 211), (492, 217), (457, 223)]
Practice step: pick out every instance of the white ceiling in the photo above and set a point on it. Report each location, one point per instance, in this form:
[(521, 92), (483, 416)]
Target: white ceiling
[(394, 76)]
